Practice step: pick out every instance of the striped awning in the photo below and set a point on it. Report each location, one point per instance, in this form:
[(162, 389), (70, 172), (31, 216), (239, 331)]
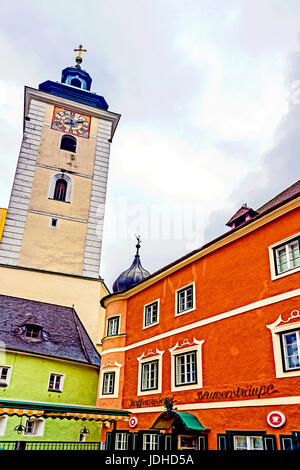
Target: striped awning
[(48, 410)]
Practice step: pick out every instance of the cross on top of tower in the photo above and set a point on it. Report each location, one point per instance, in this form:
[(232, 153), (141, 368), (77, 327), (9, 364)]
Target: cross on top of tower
[(79, 58)]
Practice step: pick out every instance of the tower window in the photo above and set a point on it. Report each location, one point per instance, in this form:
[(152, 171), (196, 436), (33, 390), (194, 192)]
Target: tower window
[(60, 190), (76, 82), (69, 143), (53, 222)]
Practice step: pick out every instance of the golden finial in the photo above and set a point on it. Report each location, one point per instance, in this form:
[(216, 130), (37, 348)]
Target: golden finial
[(79, 58)]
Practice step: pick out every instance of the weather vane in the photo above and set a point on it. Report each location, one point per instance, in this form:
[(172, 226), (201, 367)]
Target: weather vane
[(79, 58)]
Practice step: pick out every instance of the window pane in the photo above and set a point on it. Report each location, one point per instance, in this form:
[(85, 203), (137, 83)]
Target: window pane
[(150, 375), (108, 383), (3, 373), (282, 260), (185, 366), (294, 254), (113, 326), (185, 299), (240, 443), (291, 350)]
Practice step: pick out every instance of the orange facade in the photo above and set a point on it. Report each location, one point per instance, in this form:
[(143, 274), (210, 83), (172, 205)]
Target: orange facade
[(227, 357)]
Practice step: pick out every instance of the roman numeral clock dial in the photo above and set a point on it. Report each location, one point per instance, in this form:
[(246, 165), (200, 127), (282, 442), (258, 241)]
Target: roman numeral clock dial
[(68, 121)]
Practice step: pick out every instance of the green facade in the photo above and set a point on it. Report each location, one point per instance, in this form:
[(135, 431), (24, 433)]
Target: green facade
[(29, 382)]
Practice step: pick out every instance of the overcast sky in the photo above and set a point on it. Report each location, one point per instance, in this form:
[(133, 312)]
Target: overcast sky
[(208, 93)]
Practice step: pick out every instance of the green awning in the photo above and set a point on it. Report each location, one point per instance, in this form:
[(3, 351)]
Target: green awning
[(185, 421), (191, 421)]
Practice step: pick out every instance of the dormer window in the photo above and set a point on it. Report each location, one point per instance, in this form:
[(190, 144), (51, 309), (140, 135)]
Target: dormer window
[(244, 214), (33, 332)]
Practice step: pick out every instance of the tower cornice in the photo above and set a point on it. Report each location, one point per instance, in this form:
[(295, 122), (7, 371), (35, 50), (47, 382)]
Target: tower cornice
[(33, 93)]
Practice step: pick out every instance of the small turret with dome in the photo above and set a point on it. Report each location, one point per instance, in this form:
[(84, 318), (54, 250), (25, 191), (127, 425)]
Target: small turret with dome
[(75, 85), (133, 275)]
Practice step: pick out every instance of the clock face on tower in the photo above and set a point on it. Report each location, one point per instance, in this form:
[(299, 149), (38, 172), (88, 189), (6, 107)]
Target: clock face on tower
[(71, 122)]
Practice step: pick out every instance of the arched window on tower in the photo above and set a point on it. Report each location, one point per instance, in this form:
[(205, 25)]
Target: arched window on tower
[(60, 187), (60, 190), (76, 82), (69, 143)]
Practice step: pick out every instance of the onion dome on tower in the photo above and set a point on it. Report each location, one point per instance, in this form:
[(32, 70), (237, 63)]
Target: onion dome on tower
[(136, 273)]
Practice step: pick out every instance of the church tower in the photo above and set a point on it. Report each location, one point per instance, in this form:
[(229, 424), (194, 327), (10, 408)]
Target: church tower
[(54, 221)]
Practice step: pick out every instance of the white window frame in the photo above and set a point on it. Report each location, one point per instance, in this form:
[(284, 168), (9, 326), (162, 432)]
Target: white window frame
[(177, 350), (3, 423), (143, 359), (186, 355), (284, 346), (110, 382), (277, 329), (157, 301), (114, 317), (7, 381), (38, 427), (108, 369), (61, 383), (121, 441), (249, 442), (272, 257), (153, 441), (152, 374), (182, 288)]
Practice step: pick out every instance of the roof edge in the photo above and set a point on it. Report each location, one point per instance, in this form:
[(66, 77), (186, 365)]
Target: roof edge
[(230, 234)]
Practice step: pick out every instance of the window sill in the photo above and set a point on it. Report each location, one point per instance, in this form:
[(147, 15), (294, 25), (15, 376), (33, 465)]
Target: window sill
[(178, 314), (57, 200), (149, 326), (285, 273)]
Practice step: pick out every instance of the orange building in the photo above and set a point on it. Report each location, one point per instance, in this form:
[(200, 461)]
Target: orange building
[(205, 353)]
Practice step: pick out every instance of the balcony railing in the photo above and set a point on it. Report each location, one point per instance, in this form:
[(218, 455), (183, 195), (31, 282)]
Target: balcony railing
[(35, 445)]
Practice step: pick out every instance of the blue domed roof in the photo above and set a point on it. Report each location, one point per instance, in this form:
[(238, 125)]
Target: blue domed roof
[(136, 273)]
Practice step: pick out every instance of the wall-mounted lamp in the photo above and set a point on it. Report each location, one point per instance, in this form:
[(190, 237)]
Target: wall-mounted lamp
[(84, 431), (20, 428)]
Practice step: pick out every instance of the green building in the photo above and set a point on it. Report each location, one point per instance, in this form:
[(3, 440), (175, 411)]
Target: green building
[(48, 375)]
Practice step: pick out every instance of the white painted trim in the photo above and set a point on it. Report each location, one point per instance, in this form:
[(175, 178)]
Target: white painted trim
[(143, 360), (277, 350), (112, 368), (61, 385), (8, 373), (144, 315), (295, 400), (193, 284), (119, 325), (3, 424), (39, 423), (197, 347), (271, 249), (222, 316)]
